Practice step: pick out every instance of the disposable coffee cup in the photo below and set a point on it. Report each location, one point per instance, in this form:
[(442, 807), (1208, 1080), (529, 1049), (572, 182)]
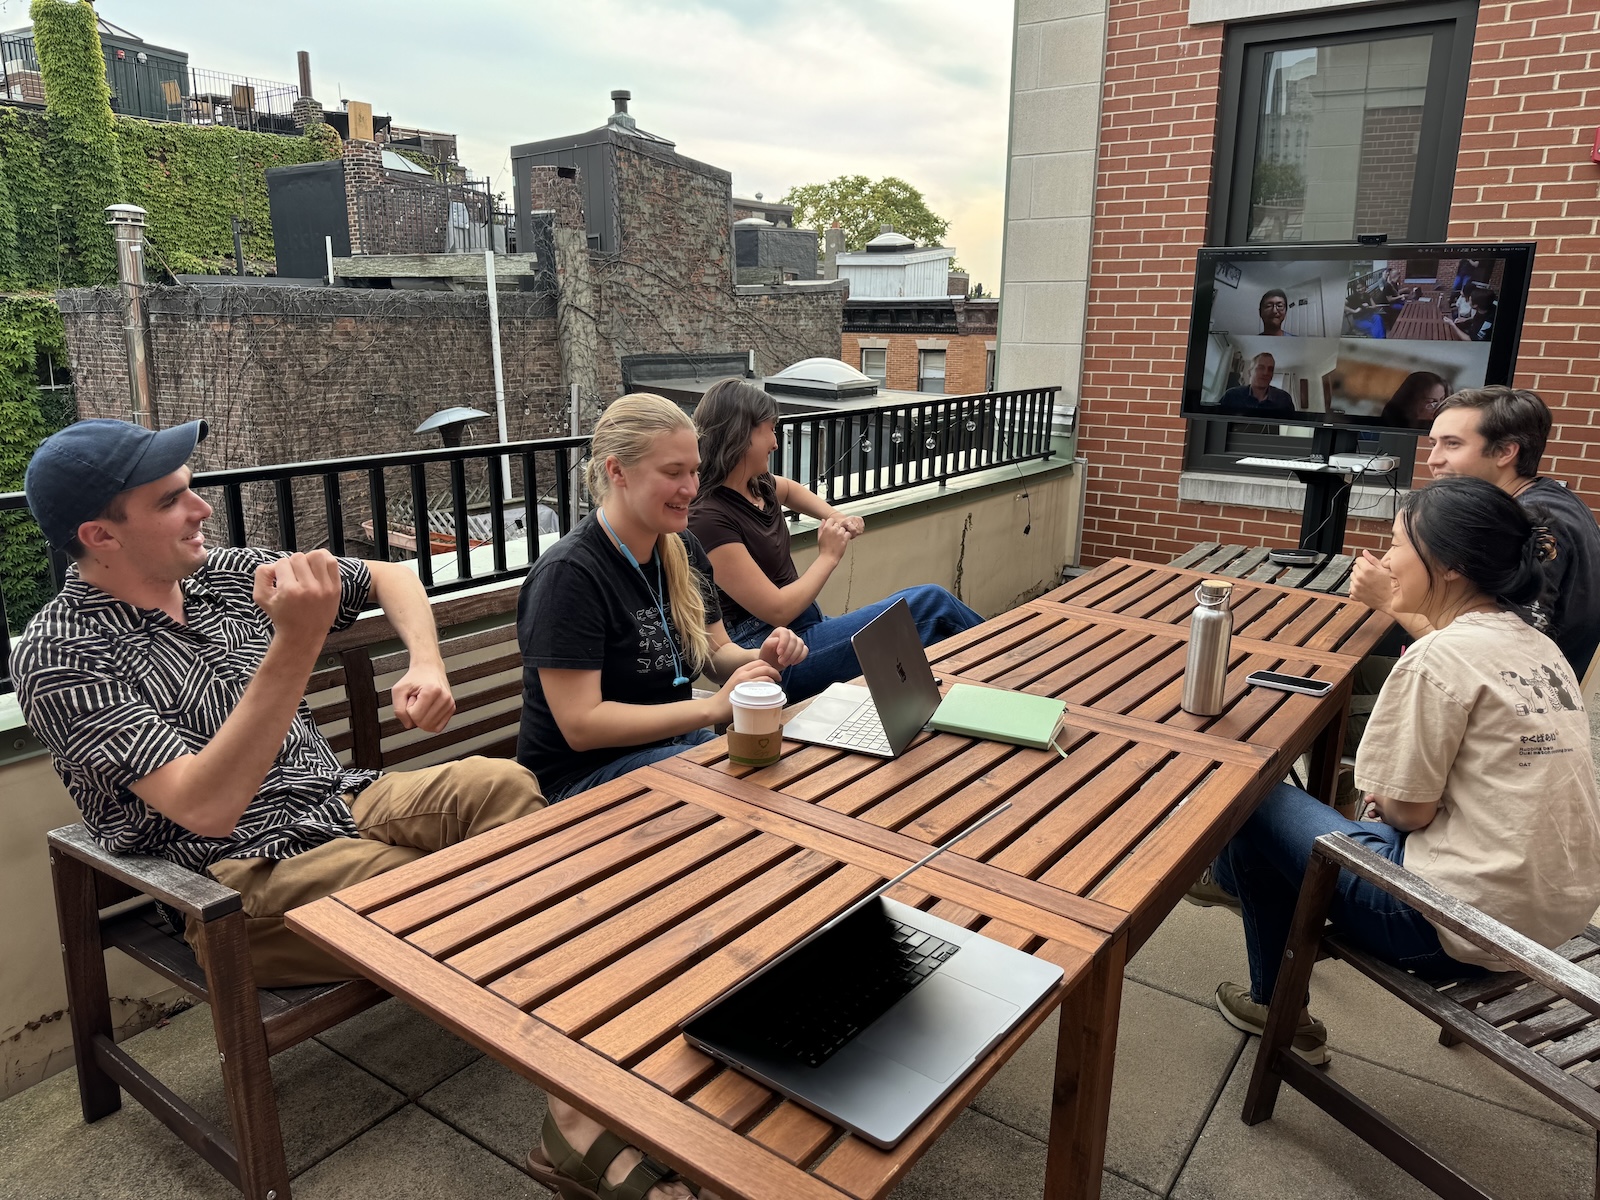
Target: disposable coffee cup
[(758, 707), (756, 739)]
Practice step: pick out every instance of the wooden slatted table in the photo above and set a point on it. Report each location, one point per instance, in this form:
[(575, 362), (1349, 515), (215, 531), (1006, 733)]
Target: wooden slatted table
[(1251, 562), (557, 945), (570, 944), (1115, 642), (1422, 320), (1146, 795)]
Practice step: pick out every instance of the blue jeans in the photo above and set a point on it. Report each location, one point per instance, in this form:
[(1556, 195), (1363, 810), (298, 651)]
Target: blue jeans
[(1265, 864), (831, 659), (618, 767)]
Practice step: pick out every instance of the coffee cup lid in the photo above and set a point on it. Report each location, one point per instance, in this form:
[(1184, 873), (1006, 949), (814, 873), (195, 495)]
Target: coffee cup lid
[(758, 693)]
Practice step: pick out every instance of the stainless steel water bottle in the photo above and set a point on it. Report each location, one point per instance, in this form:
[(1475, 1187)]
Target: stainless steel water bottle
[(1205, 678)]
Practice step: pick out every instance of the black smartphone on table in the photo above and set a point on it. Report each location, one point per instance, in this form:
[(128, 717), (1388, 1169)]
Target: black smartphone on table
[(1303, 684)]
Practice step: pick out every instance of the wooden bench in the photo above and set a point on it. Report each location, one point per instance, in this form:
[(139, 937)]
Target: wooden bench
[(1540, 1021), (105, 899)]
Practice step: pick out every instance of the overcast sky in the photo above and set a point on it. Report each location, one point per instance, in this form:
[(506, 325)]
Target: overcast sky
[(778, 92)]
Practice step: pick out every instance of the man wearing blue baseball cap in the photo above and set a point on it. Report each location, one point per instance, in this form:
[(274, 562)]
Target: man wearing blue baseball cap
[(168, 681)]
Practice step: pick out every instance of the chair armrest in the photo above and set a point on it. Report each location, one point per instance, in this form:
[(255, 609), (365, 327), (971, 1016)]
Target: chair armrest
[(1533, 960), (189, 892)]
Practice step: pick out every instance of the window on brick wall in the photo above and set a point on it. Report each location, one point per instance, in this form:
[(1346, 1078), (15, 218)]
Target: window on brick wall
[(930, 371), (875, 366), (1330, 127)]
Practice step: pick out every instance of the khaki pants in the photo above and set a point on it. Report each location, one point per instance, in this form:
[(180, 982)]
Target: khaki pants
[(401, 816)]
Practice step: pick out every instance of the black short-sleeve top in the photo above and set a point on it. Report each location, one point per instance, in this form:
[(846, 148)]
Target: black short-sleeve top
[(585, 607), (721, 516)]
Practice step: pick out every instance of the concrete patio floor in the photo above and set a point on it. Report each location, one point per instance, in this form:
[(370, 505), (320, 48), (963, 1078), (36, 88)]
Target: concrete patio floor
[(390, 1106)]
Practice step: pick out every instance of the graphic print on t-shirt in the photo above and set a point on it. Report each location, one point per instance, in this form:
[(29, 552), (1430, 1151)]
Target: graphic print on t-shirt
[(655, 646), (1548, 691)]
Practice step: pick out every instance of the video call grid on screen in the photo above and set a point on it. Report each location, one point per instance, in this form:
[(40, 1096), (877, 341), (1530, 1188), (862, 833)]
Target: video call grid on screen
[(1355, 336)]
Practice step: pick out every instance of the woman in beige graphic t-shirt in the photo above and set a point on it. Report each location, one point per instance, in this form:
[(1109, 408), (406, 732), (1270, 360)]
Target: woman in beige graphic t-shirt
[(1476, 759)]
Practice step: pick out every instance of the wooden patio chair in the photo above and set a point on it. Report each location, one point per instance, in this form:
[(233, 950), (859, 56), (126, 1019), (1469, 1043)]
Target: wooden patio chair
[(1540, 1020), (138, 904)]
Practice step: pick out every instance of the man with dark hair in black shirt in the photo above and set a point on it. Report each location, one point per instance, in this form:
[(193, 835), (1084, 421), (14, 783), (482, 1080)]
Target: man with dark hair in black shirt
[(1499, 434)]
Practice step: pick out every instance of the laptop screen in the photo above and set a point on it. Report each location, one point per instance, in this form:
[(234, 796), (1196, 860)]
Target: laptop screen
[(835, 978)]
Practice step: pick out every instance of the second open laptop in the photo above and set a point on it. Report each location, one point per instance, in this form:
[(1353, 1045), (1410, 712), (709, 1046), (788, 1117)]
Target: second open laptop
[(871, 1019), (900, 695)]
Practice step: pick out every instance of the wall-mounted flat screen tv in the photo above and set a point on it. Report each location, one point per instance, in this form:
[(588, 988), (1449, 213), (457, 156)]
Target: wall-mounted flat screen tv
[(1352, 336)]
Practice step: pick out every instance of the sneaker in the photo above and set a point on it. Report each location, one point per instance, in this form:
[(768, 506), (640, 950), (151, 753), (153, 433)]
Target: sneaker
[(1243, 1013), (1206, 892)]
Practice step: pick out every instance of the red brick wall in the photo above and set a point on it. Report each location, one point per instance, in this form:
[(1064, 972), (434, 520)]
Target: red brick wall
[(1523, 173), (966, 362), (1388, 150)]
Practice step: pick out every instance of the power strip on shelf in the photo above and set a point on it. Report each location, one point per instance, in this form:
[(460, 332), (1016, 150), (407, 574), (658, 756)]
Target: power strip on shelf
[(1364, 464)]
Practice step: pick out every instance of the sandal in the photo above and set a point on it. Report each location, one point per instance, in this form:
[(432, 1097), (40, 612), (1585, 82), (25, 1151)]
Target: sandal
[(575, 1176)]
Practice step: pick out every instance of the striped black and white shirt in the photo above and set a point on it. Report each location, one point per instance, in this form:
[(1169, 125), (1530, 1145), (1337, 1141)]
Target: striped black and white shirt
[(116, 692)]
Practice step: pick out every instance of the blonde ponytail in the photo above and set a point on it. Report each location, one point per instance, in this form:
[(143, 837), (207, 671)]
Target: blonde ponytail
[(687, 600), (627, 431)]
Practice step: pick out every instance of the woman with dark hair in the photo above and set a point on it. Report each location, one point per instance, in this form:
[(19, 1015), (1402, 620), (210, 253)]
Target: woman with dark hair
[(1415, 401), (1476, 761), (738, 518)]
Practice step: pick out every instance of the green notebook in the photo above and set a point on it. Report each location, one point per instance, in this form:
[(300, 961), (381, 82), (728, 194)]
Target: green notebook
[(999, 715)]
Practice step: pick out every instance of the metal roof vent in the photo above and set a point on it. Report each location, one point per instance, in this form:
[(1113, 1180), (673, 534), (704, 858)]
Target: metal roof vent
[(619, 116), (825, 378), (890, 242)]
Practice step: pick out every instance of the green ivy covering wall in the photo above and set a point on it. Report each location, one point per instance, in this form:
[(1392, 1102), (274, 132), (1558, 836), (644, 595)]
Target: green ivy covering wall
[(82, 141), (192, 179), (59, 171), (189, 179), (38, 250), (30, 328)]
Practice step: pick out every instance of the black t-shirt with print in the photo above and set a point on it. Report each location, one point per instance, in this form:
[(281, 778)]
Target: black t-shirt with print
[(584, 607)]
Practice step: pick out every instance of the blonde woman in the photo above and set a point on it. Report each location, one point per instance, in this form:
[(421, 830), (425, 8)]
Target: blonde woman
[(619, 617)]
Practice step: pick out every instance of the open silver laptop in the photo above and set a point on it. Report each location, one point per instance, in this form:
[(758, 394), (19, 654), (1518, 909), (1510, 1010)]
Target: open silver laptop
[(874, 1017), (900, 695)]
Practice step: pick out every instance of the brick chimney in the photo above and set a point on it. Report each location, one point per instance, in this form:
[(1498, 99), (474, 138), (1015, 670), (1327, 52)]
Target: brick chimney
[(305, 110)]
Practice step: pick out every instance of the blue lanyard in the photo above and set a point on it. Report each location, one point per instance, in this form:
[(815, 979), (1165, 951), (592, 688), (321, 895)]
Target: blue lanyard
[(660, 590)]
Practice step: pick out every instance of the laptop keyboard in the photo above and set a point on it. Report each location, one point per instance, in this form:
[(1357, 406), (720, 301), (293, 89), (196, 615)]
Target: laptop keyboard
[(862, 730), (814, 1032)]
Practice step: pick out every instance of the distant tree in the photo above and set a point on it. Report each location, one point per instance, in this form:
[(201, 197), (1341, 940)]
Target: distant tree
[(863, 206), (1275, 180)]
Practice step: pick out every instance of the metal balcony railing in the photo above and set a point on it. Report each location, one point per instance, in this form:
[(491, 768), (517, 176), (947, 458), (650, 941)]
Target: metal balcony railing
[(488, 506)]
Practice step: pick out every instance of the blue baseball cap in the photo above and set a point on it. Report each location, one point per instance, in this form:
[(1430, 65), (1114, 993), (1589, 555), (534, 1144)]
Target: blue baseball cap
[(75, 473)]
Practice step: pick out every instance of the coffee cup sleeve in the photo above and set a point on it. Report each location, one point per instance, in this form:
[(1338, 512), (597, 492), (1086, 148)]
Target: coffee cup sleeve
[(755, 749)]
